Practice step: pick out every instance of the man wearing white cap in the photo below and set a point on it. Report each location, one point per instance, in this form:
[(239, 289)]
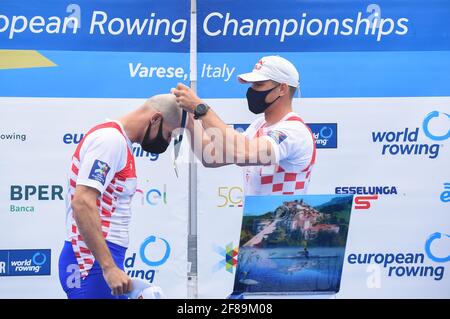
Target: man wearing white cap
[(278, 149)]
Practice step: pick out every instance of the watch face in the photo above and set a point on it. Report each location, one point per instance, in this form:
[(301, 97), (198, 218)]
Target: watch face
[(201, 108)]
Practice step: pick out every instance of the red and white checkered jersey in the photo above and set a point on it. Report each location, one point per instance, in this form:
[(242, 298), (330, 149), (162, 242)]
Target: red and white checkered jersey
[(295, 154), (103, 160)]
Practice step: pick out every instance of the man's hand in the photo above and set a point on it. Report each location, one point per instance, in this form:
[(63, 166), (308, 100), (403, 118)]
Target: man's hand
[(117, 280), (186, 97)]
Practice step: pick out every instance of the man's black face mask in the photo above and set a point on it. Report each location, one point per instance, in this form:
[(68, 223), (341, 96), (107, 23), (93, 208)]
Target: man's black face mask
[(257, 100), (158, 145)]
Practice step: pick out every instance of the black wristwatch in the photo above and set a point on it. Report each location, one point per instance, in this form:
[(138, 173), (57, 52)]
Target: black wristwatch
[(200, 110)]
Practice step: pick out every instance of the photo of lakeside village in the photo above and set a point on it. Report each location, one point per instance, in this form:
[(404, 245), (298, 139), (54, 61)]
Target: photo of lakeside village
[(292, 244), (296, 223)]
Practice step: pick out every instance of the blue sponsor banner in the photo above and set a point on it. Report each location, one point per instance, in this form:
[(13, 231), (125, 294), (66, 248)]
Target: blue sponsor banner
[(341, 48), (25, 262), (97, 75), (93, 49), (99, 25), (335, 74), (325, 134), (321, 25)]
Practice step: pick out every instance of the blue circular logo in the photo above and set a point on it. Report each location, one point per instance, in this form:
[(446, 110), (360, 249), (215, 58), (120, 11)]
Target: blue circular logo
[(156, 197), (427, 132), (323, 130), (430, 255), (39, 259), (148, 241)]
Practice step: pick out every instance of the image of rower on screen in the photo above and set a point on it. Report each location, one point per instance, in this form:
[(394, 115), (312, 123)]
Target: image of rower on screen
[(277, 150), (101, 183)]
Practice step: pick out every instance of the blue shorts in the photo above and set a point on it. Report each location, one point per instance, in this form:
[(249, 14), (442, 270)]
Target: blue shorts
[(93, 286)]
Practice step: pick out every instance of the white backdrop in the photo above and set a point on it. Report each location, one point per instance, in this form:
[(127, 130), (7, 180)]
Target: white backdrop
[(395, 223)]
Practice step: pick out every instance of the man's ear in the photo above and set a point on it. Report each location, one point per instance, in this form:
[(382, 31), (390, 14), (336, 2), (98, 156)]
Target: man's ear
[(157, 117), (284, 89)]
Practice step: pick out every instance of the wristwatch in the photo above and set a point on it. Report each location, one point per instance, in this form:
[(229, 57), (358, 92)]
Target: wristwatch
[(200, 110)]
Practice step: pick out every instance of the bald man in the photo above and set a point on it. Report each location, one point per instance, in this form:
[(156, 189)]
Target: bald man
[(102, 182)]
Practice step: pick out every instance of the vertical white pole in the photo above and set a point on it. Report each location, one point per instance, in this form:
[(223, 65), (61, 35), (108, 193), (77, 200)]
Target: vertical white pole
[(192, 238)]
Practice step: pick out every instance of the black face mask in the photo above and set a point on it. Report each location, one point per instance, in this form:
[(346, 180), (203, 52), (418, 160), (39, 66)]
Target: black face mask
[(257, 100), (158, 145)]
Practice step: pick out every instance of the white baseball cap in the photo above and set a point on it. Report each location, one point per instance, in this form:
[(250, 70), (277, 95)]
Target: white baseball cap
[(273, 68)]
